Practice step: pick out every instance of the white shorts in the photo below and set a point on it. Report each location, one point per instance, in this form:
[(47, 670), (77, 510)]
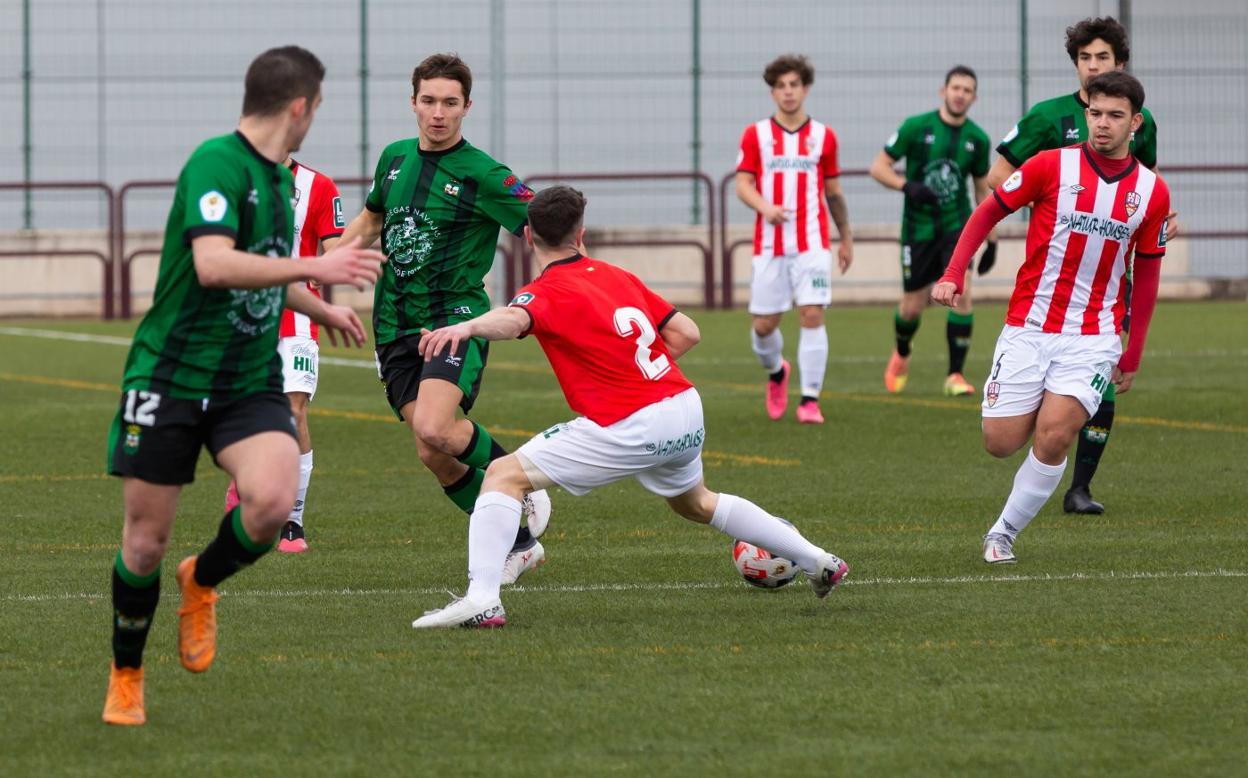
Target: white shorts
[(778, 282), (1028, 362), (300, 362), (659, 445)]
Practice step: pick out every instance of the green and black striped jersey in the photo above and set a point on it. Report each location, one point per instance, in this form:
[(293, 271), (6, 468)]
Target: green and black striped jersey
[(216, 344), (1060, 122), (941, 156), (441, 213)]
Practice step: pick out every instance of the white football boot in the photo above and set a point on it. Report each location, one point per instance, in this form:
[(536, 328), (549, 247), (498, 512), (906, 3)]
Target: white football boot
[(999, 549), (520, 562), (832, 569), (537, 509), (463, 612)]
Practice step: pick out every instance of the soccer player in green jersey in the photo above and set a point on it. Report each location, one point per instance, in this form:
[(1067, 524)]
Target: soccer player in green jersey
[(941, 149), (203, 369), (437, 203), (1095, 46)]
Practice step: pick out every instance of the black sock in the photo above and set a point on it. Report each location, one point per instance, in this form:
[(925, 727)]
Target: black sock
[(134, 604), (777, 376), (806, 400), (230, 551), (958, 333), (904, 330), (1092, 440)]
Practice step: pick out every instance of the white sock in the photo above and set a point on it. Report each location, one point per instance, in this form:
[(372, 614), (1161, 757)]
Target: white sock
[(812, 359), (739, 518), (769, 349), (305, 475), (491, 533), (1034, 484)]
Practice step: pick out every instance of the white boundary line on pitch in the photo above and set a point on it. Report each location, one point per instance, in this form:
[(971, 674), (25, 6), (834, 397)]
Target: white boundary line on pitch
[(959, 580), (114, 340)]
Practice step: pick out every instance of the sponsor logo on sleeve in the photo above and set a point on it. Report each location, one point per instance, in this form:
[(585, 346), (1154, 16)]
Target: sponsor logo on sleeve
[(524, 298), (517, 189), (1161, 236), (1011, 135), (1013, 182), (338, 220), (892, 140), (212, 206)]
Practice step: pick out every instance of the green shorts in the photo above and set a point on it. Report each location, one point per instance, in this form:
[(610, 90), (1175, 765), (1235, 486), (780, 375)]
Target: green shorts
[(401, 369)]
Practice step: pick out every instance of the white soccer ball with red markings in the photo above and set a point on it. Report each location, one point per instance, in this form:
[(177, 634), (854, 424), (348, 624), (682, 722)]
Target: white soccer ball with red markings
[(759, 567)]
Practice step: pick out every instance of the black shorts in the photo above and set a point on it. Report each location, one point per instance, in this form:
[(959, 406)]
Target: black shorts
[(924, 262), (401, 368), (157, 439)]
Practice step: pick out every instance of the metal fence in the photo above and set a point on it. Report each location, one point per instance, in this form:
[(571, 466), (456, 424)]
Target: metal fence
[(118, 90)]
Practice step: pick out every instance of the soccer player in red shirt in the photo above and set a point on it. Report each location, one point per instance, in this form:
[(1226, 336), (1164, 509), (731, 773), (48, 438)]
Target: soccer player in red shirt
[(1093, 205), (318, 226), (787, 172), (613, 344)]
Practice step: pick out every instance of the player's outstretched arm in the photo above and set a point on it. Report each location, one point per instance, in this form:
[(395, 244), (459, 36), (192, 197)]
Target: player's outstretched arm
[(948, 291), (336, 319), (366, 226), (498, 324), (218, 265), (989, 257), (345, 263), (680, 334)]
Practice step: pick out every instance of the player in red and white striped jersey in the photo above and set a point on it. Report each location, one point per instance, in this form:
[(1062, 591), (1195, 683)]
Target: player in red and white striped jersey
[(788, 173), (1093, 205), (318, 225), (613, 344)]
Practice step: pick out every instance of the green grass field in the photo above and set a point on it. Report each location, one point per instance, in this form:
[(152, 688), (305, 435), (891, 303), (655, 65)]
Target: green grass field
[(1116, 646)]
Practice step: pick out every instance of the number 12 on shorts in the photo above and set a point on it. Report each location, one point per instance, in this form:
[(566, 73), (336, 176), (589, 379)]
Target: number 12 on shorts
[(145, 412), (653, 366)]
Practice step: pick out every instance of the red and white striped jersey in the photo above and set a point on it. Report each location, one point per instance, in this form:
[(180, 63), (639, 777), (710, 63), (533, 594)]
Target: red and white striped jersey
[(318, 215), (1084, 226), (789, 170)]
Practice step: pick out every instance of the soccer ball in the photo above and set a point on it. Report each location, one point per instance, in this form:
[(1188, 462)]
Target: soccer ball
[(759, 568)]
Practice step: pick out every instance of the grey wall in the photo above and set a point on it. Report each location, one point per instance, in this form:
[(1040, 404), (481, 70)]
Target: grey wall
[(124, 89)]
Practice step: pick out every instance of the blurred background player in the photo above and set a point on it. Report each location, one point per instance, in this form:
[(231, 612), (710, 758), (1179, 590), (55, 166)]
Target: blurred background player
[(1095, 46), (318, 225), (437, 202), (203, 368), (787, 172), (941, 149), (613, 345), (1093, 205)]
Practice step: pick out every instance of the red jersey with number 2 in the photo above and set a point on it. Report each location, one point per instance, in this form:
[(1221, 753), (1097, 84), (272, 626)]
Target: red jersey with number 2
[(599, 326)]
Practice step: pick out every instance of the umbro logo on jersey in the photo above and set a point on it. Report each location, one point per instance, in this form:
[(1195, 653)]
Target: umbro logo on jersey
[(970, 147), (1075, 189), (394, 174), (253, 197), (929, 139), (1072, 134)]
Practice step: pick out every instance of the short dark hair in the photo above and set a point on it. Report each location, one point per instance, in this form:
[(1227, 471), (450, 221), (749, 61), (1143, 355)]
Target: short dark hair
[(1118, 84), (789, 63), (1107, 29), (278, 76), (555, 213), (443, 66), (961, 70)]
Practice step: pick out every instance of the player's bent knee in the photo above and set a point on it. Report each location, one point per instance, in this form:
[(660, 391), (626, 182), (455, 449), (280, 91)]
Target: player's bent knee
[(507, 475), (1052, 443), (1001, 446), (145, 550)]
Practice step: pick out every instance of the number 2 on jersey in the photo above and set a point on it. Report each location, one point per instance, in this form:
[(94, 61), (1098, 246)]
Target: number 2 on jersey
[(631, 323)]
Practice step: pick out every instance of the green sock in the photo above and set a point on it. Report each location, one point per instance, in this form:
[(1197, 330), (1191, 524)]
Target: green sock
[(230, 551), (134, 604), (465, 491), (958, 333), (481, 450), (904, 330)]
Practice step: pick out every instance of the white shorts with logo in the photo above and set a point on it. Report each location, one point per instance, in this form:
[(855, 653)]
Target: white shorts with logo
[(659, 445), (300, 364), (1027, 362), (778, 282)]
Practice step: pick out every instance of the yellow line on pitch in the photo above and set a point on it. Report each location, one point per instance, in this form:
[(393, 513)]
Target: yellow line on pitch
[(68, 383)]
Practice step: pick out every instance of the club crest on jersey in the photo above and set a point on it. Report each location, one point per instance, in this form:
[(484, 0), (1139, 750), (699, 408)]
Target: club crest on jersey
[(993, 393), (1013, 182), (451, 189), (1131, 203), (294, 201)]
